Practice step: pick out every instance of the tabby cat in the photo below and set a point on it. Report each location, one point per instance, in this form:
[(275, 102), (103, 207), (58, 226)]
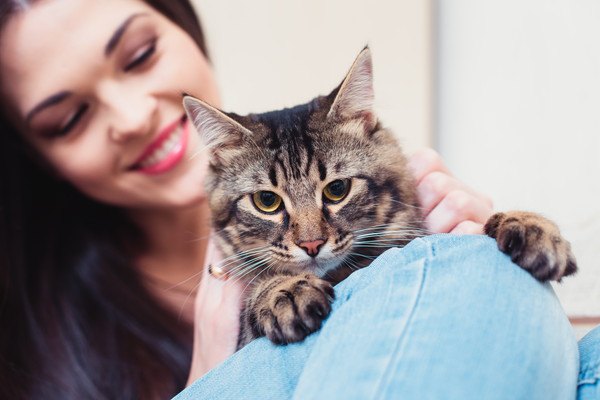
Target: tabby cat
[(303, 196)]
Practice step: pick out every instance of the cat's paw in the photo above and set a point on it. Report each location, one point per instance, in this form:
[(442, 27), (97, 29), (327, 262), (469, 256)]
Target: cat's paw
[(295, 308), (534, 243)]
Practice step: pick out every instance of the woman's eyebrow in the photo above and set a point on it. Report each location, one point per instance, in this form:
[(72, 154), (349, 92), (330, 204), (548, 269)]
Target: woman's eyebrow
[(108, 49), (118, 34)]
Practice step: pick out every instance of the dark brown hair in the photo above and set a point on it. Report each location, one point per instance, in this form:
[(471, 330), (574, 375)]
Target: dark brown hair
[(76, 321)]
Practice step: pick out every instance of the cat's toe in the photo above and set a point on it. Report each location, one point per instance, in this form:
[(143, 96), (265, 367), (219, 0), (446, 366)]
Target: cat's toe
[(534, 243), (299, 310)]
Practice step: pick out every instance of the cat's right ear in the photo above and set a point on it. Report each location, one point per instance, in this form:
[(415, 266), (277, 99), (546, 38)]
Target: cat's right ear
[(355, 96), (221, 134)]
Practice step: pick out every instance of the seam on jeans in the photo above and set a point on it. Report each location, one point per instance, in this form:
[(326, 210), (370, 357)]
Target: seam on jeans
[(588, 381), (589, 374), (396, 353)]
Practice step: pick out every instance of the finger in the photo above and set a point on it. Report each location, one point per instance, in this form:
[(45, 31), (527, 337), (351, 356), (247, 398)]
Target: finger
[(455, 207), (436, 185), (424, 162), (217, 292), (468, 228), (433, 188)]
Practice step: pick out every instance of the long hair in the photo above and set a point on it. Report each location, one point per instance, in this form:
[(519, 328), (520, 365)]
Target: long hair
[(75, 318)]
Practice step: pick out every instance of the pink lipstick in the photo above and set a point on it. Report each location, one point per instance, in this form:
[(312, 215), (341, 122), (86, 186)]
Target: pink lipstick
[(166, 151)]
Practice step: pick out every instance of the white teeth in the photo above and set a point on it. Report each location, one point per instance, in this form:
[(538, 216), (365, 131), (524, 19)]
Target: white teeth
[(167, 147)]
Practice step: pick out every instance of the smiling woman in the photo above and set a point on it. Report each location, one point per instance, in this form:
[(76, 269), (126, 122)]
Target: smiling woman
[(104, 227), (102, 117), (107, 124)]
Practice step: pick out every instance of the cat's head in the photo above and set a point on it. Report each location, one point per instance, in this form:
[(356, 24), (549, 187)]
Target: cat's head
[(311, 188)]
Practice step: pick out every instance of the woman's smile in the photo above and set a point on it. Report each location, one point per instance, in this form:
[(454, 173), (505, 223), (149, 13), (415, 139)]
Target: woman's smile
[(166, 151), (112, 125)]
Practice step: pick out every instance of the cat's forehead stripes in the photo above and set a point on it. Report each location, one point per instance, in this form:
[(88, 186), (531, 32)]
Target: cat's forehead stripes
[(288, 135)]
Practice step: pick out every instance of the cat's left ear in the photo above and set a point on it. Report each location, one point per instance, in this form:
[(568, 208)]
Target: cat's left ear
[(219, 132), (355, 96)]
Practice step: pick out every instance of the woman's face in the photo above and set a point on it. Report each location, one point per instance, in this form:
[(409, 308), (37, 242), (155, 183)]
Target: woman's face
[(95, 87)]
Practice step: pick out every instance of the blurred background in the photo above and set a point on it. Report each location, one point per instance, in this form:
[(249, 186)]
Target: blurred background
[(507, 91)]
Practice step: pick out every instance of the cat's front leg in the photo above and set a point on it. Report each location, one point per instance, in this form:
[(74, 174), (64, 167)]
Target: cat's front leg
[(285, 308), (534, 243)]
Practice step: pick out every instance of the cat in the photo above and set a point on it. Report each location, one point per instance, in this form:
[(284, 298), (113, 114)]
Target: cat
[(302, 197)]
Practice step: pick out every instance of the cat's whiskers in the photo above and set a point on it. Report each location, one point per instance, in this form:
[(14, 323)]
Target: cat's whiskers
[(246, 270), (349, 262), (363, 255), (396, 225), (257, 275), (408, 205), (240, 256), (220, 264), (390, 233), (210, 235), (246, 266)]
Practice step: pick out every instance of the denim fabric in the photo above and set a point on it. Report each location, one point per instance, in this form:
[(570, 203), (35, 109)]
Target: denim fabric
[(589, 374), (446, 317)]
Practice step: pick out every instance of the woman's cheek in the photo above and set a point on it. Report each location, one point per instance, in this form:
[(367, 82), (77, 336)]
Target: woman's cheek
[(194, 76), (85, 165)]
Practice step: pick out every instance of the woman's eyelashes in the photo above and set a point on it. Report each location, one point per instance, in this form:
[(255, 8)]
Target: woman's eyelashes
[(76, 117), (142, 55), (72, 120)]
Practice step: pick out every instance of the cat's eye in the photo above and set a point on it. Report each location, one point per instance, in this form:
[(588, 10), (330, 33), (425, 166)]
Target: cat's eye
[(267, 202), (336, 190)]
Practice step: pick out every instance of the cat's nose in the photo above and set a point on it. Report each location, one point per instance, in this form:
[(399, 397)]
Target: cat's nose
[(312, 248)]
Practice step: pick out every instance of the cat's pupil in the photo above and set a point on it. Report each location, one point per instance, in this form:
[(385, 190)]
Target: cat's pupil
[(337, 188), (268, 198)]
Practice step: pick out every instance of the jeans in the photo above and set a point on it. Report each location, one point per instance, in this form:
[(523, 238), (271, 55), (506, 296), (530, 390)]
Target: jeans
[(589, 375), (446, 317)]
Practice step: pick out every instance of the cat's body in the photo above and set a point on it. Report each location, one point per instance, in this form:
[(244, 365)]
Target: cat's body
[(301, 197)]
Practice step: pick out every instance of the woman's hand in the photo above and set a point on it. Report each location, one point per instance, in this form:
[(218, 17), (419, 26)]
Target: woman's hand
[(216, 321), (449, 205)]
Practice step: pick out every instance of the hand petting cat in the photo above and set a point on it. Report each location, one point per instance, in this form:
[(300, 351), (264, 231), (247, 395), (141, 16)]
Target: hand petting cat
[(451, 206)]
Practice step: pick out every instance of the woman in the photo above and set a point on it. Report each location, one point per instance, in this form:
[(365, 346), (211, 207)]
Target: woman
[(102, 206)]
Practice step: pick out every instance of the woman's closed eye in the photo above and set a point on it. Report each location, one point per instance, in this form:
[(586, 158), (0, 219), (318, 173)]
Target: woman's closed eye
[(71, 121), (141, 56)]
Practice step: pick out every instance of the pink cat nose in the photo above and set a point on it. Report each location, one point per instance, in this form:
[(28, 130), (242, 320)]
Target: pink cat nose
[(312, 248)]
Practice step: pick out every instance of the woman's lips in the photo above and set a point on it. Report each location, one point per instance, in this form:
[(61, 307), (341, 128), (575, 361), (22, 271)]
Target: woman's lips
[(166, 151)]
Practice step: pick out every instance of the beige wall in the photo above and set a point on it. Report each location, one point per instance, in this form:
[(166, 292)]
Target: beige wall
[(270, 54)]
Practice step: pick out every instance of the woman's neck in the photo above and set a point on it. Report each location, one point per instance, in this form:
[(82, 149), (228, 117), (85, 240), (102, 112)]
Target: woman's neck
[(175, 253)]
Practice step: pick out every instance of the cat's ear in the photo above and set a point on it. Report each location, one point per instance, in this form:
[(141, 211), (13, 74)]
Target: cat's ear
[(355, 96), (221, 134)]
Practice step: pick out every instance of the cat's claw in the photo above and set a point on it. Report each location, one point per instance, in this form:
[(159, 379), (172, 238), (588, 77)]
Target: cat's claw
[(295, 309), (534, 243)]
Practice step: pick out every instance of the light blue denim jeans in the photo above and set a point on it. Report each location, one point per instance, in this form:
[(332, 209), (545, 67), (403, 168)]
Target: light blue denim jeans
[(589, 374), (446, 317)]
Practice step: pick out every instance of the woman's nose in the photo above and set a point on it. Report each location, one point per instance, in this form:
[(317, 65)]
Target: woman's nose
[(131, 114)]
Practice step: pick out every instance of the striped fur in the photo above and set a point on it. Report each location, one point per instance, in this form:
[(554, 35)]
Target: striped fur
[(295, 153)]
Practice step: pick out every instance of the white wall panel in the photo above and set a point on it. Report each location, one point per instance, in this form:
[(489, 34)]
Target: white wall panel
[(519, 116), (269, 54)]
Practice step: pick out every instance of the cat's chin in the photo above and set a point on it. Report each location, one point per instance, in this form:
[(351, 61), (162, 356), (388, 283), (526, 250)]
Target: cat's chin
[(319, 267)]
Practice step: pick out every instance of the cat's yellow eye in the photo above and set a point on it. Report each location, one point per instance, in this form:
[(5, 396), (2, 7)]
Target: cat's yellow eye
[(266, 201), (336, 190)]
